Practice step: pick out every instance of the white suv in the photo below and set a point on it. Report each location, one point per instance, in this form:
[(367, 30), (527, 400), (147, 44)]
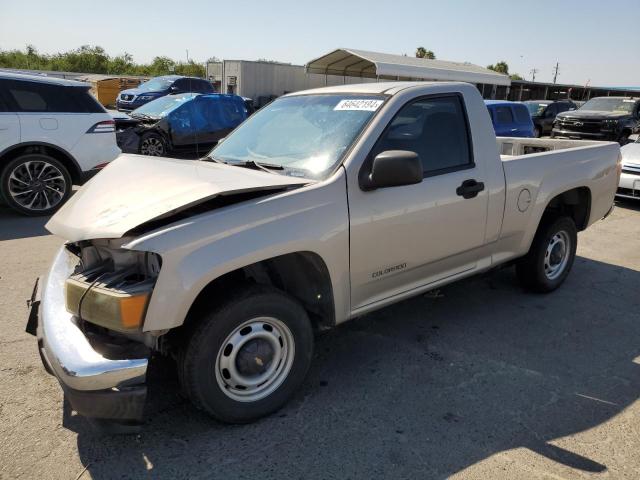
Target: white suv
[(53, 134)]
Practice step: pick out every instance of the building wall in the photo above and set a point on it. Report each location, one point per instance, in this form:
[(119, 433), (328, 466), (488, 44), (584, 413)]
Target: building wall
[(264, 81)]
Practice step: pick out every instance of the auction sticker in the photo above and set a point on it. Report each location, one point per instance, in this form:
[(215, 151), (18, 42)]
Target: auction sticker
[(359, 104)]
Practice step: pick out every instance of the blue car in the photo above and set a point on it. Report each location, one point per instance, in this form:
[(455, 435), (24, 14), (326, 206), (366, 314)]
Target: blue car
[(180, 125), (129, 100), (510, 119)]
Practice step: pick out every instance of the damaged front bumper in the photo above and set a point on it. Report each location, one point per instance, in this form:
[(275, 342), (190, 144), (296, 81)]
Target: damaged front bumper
[(111, 389)]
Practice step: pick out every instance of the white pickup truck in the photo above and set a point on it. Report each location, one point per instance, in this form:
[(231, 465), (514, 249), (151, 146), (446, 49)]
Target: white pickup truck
[(323, 206)]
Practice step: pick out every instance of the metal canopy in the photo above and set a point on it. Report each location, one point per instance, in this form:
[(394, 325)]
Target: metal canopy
[(360, 63)]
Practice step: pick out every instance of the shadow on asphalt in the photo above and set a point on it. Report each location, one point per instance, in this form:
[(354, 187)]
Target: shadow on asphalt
[(422, 389), (14, 226)]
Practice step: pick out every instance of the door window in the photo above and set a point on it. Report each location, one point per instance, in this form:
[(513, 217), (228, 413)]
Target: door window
[(434, 128), (503, 115), (522, 113)]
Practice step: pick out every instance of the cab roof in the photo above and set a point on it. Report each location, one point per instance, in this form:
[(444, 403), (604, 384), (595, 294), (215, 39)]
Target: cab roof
[(373, 88)]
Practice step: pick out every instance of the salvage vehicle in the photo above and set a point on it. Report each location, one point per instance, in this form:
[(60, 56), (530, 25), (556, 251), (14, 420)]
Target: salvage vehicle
[(53, 135), (601, 118), (157, 87), (323, 206), (510, 119), (188, 122), (629, 186), (544, 112)]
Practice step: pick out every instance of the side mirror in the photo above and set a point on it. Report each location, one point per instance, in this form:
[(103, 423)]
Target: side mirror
[(393, 168)]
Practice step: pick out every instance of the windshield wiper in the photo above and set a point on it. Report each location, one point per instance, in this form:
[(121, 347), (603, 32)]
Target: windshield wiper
[(267, 167)]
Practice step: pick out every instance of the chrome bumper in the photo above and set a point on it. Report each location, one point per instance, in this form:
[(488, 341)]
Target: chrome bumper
[(65, 348)]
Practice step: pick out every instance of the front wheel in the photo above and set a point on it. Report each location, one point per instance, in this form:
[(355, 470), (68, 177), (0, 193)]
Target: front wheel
[(35, 184), (153, 144), (245, 359), (550, 257), (537, 132)]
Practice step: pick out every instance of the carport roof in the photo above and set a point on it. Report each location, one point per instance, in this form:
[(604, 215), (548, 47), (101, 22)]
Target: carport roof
[(361, 63)]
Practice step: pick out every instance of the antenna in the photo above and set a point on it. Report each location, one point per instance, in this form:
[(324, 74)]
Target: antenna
[(533, 72)]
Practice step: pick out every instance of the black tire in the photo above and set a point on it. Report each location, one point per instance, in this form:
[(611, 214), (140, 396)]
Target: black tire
[(153, 144), (209, 342), (537, 131), (35, 184), (532, 270)]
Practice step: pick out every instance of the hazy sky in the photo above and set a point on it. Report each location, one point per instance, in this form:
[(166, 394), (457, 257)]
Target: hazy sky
[(592, 41)]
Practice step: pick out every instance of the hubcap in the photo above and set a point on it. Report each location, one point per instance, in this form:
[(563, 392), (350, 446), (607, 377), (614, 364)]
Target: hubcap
[(255, 359), (152, 146), (37, 185), (557, 255)]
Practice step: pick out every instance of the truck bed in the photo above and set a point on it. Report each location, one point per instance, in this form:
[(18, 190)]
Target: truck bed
[(510, 147), (543, 168)]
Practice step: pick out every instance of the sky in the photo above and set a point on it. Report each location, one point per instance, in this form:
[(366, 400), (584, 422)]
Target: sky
[(591, 42)]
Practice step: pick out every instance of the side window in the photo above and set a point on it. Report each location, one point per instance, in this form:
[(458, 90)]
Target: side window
[(434, 128), (203, 86), (4, 107), (522, 114), (181, 85), (561, 107), (503, 115), (37, 97)]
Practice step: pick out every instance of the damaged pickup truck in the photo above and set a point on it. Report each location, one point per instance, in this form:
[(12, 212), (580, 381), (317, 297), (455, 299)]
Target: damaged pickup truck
[(325, 205)]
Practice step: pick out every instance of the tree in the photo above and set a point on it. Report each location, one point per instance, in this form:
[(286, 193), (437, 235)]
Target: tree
[(515, 76), (422, 52), (500, 67)]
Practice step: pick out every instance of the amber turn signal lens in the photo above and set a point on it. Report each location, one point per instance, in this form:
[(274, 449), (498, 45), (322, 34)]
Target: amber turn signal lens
[(132, 310)]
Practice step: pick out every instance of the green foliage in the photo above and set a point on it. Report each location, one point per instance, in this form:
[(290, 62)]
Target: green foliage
[(515, 76), (500, 67), (422, 52), (94, 59)]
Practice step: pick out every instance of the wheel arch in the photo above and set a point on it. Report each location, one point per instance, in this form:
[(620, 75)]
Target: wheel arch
[(43, 148), (303, 275), (574, 203)]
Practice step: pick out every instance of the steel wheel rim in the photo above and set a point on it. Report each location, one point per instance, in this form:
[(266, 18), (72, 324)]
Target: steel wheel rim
[(37, 185), (152, 146), (231, 362), (556, 255)]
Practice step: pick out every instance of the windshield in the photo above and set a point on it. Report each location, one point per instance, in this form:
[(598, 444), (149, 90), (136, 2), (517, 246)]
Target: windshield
[(535, 108), (307, 133), (614, 105), (162, 106), (156, 84)]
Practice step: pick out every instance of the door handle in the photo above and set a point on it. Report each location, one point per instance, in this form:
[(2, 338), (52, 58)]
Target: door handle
[(470, 188)]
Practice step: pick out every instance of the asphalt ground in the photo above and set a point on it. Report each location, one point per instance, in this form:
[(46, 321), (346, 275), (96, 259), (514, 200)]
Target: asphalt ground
[(478, 380)]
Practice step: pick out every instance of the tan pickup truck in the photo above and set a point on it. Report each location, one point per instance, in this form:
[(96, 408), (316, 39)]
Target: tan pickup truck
[(323, 206)]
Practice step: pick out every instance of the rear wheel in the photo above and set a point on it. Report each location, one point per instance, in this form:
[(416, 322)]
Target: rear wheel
[(245, 359), (153, 144), (35, 184), (550, 257)]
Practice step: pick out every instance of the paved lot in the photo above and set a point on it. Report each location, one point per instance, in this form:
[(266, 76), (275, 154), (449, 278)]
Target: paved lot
[(482, 381)]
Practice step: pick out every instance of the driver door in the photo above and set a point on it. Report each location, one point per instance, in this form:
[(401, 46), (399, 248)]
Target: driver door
[(406, 237)]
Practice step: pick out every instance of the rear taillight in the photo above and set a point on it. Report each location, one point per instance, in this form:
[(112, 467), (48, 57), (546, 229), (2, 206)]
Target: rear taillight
[(107, 126)]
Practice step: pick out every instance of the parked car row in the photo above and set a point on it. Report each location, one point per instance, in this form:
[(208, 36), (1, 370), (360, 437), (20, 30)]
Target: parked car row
[(601, 118)]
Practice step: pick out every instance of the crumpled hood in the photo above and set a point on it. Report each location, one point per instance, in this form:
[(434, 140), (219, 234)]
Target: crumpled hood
[(134, 189)]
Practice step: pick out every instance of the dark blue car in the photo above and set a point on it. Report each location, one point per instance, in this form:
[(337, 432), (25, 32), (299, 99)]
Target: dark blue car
[(180, 125), (510, 119), (157, 87)]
